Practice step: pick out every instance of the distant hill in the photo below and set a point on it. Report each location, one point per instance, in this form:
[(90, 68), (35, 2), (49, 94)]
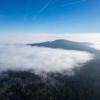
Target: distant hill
[(66, 44)]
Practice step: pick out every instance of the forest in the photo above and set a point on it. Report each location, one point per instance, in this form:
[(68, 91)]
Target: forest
[(23, 85)]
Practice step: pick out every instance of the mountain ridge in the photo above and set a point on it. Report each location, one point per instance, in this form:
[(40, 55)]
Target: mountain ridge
[(66, 44)]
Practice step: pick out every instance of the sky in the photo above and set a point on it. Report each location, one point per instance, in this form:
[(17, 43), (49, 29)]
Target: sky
[(49, 16)]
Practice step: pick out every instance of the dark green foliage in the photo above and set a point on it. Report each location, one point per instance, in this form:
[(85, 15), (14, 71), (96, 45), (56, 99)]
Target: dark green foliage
[(27, 86)]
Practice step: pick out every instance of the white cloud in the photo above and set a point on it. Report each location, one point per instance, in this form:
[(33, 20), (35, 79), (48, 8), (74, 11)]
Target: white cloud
[(93, 38), (23, 57)]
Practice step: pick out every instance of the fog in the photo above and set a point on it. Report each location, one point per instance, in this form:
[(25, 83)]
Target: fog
[(15, 55), (41, 59), (29, 37), (94, 38)]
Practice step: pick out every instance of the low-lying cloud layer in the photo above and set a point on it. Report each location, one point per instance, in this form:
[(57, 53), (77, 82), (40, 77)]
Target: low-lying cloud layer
[(40, 59)]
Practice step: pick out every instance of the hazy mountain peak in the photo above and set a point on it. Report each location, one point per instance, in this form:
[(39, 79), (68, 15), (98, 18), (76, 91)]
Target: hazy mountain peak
[(60, 40), (66, 44)]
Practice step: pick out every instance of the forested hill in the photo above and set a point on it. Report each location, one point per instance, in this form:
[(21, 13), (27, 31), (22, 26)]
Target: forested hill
[(28, 86)]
